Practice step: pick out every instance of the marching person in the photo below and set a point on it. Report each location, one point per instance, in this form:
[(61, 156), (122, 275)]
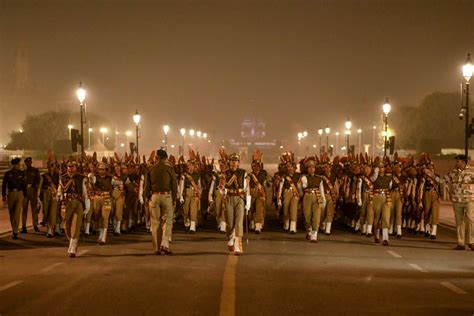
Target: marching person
[(258, 180), (118, 194), (397, 200), (49, 192), (102, 185), (215, 197), (381, 203), (365, 194), (430, 192), (33, 179), (314, 199), (290, 191), (161, 188), (330, 193), (73, 193), (460, 182), (237, 203), (13, 192), (190, 194)]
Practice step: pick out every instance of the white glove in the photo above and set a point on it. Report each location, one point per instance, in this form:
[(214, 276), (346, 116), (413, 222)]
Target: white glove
[(279, 203), (141, 200), (181, 200), (248, 204)]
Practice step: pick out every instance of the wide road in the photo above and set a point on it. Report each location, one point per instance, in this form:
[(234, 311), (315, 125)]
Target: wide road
[(279, 274)]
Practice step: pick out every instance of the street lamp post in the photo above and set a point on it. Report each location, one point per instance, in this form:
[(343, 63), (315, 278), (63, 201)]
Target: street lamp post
[(327, 130), (89, 142), (359, 131), (183, 134), (373, 140), (348, 125), (116, 138), (386, 110), (166, 129), (136, 119), (81, 96), (337, 143), (467, 74), (128, 134), (103, 131), (69, 127), (320, 133)]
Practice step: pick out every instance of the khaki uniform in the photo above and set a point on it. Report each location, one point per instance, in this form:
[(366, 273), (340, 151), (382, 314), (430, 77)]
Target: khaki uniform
[(290, 191), (236, 198), (118, 202), (73, 194), (396, 205), (190, 187), (162, 185), (13, 188), (313, 202), (258, 196), (381, 203), (49, 189)]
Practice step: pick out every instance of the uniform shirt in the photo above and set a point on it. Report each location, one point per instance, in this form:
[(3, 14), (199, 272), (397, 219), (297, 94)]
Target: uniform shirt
[(381, 182), (461, 185), (74, 184), (161, 178), (185, 183), (49, 181), (314, 182), (13, 180), (261, 178), (32, 177), (285, 184)]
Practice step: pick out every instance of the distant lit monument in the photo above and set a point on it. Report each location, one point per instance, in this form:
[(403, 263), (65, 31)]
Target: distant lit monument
[(252, 129)]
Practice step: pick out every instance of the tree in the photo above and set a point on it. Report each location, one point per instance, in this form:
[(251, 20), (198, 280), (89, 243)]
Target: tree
[(41, 132)]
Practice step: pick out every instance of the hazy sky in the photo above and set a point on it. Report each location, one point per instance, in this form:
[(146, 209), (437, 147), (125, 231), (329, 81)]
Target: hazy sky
[(295, 64)]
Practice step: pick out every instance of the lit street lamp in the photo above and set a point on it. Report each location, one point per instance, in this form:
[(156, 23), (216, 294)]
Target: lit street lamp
[(327, 130), (348, 125), (89, 142), (320, 133), (128, 134), (467, 74), (81, 97), (373, 140), (191, 132), (166, 129), (103, 131), (337, 143), (359, 131), (136, 119), (386, 110), (69, 127), (183, 134)]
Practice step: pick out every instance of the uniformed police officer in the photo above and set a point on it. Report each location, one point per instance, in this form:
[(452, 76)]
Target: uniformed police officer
[(13, 191), (33, 179), (162, 187)]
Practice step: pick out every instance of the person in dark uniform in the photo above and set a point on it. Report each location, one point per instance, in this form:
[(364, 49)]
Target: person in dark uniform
[(162, 188), (13, 192), (33, 179)]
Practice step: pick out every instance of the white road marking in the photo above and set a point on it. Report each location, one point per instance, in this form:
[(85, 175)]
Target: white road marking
[(82, 252), (393, 253), (227, 306), (453, 288), (417, 267), (51, 267), (9, 285)]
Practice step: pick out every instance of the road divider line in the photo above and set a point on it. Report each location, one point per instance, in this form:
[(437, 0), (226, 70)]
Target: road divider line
[(51, 267), (453, 288), (393, 253), (10, 285), (227, 304), (417, 267), (82, 252)]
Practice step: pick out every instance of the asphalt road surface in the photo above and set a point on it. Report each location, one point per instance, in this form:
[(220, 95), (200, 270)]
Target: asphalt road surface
[(279, 274)]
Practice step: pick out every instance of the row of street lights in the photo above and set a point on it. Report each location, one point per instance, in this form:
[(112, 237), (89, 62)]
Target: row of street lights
[(386, 107)]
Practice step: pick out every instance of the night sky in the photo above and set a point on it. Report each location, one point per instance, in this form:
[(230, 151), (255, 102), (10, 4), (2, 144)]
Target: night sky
[(209, 64)]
